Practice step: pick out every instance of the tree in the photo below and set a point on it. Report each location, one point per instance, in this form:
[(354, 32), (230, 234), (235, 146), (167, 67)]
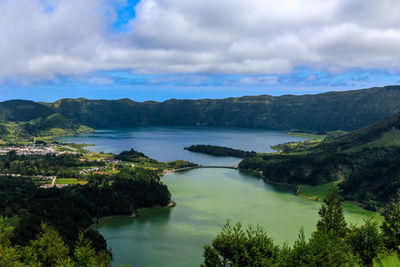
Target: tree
[(366, 241), (49, 246), (332, 220), (84, 252), (235, 246), (391, 228)]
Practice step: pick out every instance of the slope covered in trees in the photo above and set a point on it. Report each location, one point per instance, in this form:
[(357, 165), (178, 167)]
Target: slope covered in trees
[(366, 160), (348, 110), (23, 121)]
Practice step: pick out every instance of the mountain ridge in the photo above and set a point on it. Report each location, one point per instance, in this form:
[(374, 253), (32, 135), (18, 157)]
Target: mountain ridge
[(347, 110), (344, 110)]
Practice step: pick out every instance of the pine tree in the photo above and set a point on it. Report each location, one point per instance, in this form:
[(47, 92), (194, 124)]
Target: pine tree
[(332, 220)]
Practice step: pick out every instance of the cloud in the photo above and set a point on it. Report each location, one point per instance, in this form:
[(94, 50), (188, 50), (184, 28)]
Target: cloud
[(41, 39)]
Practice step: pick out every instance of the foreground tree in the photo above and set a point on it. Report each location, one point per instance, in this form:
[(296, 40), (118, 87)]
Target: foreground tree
[(48, 249), (391, 228), (366, 241), (332, 220), (238, 247)]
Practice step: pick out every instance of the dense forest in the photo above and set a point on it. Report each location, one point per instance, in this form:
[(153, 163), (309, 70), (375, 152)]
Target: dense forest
[(334, 243), (366, 160), (221, 151), (76, 207)]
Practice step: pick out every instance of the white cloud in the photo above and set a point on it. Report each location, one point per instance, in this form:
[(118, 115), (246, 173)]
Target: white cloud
[(42, 39)]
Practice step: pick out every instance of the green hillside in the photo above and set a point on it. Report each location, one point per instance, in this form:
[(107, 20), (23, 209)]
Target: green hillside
[(26, 121), (332, 111), (366, 160)]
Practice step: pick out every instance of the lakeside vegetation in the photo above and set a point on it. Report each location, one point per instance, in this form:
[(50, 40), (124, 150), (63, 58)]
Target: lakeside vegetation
[(320, 192), (143, 161), (365, 160), (221, 151), (334, 243), (98, 187)]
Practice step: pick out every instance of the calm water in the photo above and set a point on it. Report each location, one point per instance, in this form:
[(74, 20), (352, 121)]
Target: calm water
[(205, 198), (167, 143)]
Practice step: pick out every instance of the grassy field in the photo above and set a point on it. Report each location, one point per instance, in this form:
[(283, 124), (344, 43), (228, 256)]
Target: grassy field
[(312, 136), (66, 181), (70, 181), (389, 261), (319, 192)]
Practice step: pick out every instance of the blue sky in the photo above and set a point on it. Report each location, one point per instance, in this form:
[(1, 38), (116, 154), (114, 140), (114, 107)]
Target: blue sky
[(157, 50)]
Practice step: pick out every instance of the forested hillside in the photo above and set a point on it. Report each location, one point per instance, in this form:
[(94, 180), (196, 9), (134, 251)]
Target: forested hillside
[(366, 160), (23, 121), (348, 110)]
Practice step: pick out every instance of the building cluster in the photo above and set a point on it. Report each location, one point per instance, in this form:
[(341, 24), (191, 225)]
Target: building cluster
[(51, 185), (94, 169), (40, 150)]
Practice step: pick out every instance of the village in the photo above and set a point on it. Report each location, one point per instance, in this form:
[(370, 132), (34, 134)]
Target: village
[(34, 149)]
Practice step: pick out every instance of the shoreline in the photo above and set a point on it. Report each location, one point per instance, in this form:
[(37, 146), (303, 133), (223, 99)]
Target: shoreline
[(135, 214)]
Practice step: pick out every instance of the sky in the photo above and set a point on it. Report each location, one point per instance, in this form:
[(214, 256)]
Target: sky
[(162, 49)]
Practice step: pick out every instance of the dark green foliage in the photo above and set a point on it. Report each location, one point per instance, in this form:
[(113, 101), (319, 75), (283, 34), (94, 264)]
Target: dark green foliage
[(366, 240), (391, 228), (48, 249), (307, 169), (348, 110), (366, 160), (332, 220), (221, 151), (130, 155), (77, 207), (22, 110), (375, 182), (238, 247)]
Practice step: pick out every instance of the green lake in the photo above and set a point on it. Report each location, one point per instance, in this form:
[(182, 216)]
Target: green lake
[(206, 199)]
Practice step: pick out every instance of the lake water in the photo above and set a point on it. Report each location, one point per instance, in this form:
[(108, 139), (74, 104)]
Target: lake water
[(206, 198), (167, 143)]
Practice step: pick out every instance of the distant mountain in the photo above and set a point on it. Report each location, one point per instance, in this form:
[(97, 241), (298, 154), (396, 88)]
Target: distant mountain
[(366, 160), (347, 110)]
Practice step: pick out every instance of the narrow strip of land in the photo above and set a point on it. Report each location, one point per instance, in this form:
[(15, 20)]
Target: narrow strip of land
[(204, 167)]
